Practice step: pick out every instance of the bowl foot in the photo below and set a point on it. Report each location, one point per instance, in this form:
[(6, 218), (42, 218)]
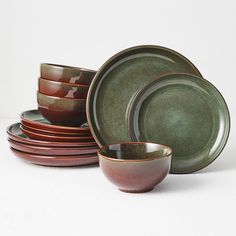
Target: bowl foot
[(136, 191)]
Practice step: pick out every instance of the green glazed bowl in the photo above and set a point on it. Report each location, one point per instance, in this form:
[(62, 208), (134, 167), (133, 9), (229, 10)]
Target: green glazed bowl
[(63, 90), (135, 167), (62, 111), (67, 74)]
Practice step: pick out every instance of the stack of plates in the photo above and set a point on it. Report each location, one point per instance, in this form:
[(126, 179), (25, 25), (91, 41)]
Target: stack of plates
[(39, 142)]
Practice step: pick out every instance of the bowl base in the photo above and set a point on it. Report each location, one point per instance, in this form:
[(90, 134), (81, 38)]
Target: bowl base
[(136, 191)]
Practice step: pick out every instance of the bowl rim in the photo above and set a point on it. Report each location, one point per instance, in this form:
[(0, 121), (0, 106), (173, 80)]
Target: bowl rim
[(62, 83), (134, 160), (62, 67)]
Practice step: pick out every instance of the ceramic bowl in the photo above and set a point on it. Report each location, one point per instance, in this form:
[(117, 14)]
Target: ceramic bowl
[(67, 74), (135, 167), (62, 111), (63, 90)]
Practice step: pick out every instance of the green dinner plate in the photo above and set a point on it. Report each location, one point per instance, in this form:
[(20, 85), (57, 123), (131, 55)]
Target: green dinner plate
[(185, 112), (118, 80)]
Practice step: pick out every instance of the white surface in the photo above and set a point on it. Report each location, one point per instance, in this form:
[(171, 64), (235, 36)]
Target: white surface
[(37, 200)]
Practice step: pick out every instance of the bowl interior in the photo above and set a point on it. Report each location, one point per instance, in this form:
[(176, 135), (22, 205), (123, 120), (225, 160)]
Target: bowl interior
[(135, 151)]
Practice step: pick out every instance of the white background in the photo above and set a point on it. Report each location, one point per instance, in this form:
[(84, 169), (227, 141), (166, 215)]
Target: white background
[(38, 200)]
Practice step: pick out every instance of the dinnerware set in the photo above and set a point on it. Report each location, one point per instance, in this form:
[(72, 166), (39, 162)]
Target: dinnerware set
[(148, 108)]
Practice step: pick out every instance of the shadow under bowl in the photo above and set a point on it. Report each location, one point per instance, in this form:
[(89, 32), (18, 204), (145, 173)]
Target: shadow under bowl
[(63, 90), (62, 111), (67, 74), (135, 167)]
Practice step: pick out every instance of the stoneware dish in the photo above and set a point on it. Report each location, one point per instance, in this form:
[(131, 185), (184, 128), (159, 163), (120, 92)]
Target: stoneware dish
[(57, 151), (34, 119), (186, 112), (64, 90), (119, 79), (15, 133), (135, 167), (67, 74), (37, 130), (46, 137), (62, 161), (65, 111)]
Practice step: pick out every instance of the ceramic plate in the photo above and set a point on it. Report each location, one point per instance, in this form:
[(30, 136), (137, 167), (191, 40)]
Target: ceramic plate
[(34, 119), (16, 134), (119, 79), (185, 112), (55, 160), (46, 137), (60, 151), (49, 132)]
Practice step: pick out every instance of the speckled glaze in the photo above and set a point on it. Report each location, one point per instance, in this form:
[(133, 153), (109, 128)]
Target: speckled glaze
[(58, 151), (34, 119), (135, 167), (61, 161), (62, 111), (63, 90), (119, 79), (185, 112), (67, 74), (46, 137), (15, 133)]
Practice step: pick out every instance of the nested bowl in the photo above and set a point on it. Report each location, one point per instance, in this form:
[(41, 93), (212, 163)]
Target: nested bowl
[(62, 111), (67, 74), (135, 167), (63, 90)]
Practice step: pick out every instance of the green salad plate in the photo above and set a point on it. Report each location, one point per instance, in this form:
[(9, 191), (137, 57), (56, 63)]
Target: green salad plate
[(185, 112)]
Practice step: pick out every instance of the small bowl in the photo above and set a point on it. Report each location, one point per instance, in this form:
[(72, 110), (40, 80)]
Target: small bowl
[(63, 90), (135, 167), (62, 111), (67, 74)]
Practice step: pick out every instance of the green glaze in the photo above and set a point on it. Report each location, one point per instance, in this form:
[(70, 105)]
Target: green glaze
[(185, 112), (119, 79)]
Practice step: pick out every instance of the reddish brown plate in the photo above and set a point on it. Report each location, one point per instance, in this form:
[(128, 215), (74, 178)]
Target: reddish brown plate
[(46, 137), (49, 132), (16, 134), (55, 160), (60, 151), (33, 118)]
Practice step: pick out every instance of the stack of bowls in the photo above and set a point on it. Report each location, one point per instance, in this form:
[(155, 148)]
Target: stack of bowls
[(57, 133), (62, 93)]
